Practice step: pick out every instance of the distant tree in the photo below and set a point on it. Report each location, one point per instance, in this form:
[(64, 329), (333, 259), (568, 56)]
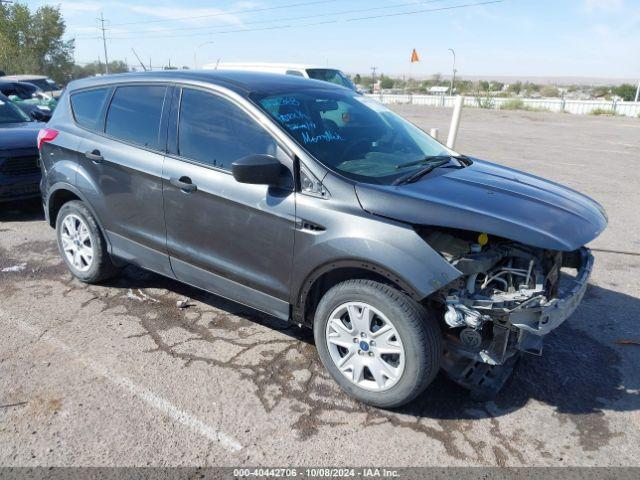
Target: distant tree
[(496, 86), (32, 42), (399, 82), (515, 87), (600, 92), (626, 91), (436, 78), (463, 86), (531, 87), (97, 68), (484, 86), (550, 91), (366, 81), (357, 79), (386, 82)]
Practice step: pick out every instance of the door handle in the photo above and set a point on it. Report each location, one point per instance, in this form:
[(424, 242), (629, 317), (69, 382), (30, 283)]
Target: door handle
[(94, 156), (184, 184)]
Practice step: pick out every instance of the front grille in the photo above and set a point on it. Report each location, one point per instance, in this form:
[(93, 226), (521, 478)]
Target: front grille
[(26, 165)]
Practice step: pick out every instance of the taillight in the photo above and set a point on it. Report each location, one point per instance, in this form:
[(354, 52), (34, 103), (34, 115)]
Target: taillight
[(46, 135)]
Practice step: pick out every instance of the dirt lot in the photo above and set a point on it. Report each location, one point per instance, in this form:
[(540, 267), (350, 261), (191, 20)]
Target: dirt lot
[(117, 375)]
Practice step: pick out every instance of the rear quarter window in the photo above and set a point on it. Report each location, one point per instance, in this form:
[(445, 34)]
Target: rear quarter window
[(134, 114), (87, 106)]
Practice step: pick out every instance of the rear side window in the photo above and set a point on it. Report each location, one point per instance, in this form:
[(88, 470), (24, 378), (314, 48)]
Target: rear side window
[(87, 107), (216, 132), (134, 114)]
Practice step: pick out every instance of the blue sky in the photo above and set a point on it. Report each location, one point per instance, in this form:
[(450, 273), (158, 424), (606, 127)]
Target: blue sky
[(595, 38)]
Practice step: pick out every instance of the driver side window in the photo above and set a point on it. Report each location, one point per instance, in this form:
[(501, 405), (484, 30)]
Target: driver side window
[(215, 132)]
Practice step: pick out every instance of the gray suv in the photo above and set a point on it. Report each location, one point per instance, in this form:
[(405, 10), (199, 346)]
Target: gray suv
[(319, 206)]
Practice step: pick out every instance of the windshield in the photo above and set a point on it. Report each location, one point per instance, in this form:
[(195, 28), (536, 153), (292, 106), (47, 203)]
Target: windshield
[(331, 75), (45, 84), (9, 113), (352, 134), (23, 91)]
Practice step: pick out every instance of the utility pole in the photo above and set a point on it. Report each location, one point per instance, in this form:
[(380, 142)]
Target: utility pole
[(373, 78), (638, 91), (141, 64), (104, 43), (453, 77)]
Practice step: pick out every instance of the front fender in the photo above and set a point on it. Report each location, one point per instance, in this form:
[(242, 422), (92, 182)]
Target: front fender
[(385, 246)]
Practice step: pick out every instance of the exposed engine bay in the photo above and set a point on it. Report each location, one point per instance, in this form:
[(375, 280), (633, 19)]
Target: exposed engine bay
[(508, 297)]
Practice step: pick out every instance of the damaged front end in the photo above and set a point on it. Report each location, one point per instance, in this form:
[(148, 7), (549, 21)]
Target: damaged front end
[(507, 299)]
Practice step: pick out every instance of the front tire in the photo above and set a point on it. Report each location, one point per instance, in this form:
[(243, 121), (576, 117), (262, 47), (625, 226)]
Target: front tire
[(82, 245), (378, 344)]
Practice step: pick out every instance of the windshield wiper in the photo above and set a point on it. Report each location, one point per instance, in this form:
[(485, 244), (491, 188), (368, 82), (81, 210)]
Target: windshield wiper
[(432, 163), (428, 159)]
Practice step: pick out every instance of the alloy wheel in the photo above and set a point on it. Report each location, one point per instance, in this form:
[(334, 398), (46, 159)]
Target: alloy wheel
[(365, 346), (77, 243)]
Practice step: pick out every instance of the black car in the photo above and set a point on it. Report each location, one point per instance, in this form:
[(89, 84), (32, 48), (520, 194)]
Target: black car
[(28, 95), (19, 169), (320, 206)]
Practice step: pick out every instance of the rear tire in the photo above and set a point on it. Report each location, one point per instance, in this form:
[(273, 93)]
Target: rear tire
[(379, 345), (82, 245)]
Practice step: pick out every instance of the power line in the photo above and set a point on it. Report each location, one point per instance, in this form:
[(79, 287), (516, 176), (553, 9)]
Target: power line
[(414, 12), (230, 12), (304, 17), (331, 21)]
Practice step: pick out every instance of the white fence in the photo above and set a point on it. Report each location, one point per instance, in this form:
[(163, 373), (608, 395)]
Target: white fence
[(578, 107)]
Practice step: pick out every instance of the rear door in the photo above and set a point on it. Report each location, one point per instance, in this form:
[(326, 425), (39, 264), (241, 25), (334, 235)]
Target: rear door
[(226, 237), (122, 157)]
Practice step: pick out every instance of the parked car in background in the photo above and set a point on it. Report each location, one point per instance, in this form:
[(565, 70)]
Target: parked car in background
[(324, 74), (321, 207), (19, 168), (29, 98), (44, 83)]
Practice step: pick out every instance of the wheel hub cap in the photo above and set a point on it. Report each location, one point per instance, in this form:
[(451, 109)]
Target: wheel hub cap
[(365, 346), (76, 243)]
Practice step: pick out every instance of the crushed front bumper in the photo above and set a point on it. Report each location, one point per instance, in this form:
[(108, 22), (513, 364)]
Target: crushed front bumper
[(519, 330), (532, 324), (540, 321)]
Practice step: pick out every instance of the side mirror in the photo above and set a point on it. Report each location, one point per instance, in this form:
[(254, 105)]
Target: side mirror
[(39, 115), (257, 169)]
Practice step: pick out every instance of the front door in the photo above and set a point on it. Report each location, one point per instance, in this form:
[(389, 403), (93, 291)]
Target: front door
[(233, 239)]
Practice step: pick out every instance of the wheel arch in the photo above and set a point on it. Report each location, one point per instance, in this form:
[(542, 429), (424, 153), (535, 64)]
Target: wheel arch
[(322, 278), (63, 193)]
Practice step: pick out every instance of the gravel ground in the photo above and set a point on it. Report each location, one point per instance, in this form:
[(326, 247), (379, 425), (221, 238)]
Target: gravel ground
[(117, 375)]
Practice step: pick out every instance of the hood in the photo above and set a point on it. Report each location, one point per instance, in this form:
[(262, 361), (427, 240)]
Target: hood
[(485, 197), (19, 135)]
